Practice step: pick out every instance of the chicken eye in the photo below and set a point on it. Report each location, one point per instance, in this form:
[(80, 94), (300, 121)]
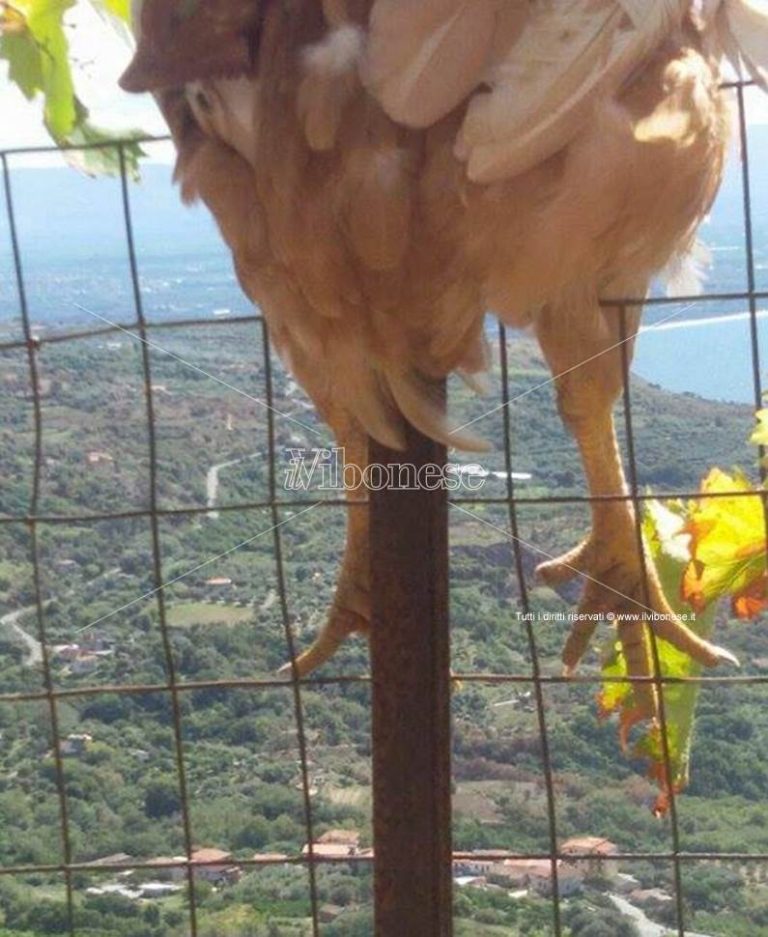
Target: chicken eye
[(203, 102)]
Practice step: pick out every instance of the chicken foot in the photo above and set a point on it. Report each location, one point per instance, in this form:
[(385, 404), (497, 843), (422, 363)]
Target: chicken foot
[(583, 349)]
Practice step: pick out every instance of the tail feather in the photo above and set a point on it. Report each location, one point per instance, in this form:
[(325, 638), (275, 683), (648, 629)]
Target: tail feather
[(416, 402)]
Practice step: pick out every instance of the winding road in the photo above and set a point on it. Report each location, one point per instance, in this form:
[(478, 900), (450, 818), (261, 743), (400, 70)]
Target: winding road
[(212, 482), (645, 926), (33, 646)]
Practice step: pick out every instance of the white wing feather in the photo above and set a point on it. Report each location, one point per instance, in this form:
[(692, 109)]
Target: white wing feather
[(745, 24), (571, 52)]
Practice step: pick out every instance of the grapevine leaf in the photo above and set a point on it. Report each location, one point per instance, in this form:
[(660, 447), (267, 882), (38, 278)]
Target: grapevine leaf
[(104, 160), (670, 549), (34, 43), (614, 694), (703, 551), (43, 25), (760, 435), (728, 546), (25, 68)]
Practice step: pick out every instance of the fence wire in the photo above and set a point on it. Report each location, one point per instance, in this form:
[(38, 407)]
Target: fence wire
[(52, 696)]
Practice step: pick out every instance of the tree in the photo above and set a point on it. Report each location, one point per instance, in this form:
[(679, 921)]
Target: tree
[(600, 922), (161, 799), (254, 835)]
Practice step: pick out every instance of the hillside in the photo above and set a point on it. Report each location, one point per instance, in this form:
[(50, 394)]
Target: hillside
[(224, 620)]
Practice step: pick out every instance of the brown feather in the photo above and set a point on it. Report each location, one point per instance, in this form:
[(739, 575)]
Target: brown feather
[(384, 245)]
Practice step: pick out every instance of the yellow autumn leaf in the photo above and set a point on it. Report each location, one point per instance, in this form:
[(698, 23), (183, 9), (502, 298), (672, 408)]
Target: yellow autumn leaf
[(728, 546)]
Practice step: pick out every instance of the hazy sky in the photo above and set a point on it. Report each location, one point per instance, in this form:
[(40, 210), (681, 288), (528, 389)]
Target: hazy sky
[(102, 55)]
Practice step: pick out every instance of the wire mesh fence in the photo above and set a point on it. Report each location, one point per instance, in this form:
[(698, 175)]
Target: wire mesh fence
[(279, 506)]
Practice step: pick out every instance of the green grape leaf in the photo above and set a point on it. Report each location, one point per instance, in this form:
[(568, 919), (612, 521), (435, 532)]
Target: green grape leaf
[(34, 43), (709, 549), (670, 550), (104, 160), (24, 61)]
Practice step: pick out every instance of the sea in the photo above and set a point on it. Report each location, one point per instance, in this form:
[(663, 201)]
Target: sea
[(72, 235)]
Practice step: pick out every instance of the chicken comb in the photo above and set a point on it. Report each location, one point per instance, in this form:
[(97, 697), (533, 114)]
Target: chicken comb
[(194, 40)]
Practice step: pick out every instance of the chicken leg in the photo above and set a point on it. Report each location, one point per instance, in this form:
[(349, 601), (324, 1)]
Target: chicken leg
[(583, 347), (350, 609)]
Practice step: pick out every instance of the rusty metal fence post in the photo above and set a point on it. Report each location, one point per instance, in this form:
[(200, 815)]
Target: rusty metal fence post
[(410, 660)]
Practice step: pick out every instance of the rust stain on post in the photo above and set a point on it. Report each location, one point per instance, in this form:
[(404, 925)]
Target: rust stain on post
[(410, 659)]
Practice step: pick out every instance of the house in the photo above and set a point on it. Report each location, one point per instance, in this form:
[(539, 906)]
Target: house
[(569, 881), (177, 872), (81, 658), (536, 876), (209, 865), (85, 663), (335, 844), (599, 853), (163, 868), (331, 851), (74, 746), (158, 889), (517, 873), (215, 866), (66, 652), (479, 863), (95, 457)]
